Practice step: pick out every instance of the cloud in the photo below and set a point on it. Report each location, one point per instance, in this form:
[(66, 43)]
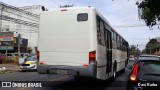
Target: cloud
[(117, 12)]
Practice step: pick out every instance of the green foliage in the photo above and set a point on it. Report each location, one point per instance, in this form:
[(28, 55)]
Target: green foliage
[(152, 46), (133, 47), (133, 50), (144, 51), (7, 60), (6, 71), (149, 11)]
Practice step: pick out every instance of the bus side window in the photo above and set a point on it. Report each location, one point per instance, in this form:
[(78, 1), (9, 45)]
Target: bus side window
[(118, 41), (100, 32)]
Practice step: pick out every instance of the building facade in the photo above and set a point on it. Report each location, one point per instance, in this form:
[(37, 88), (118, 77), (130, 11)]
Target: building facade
[(23, 20), (36, 9)]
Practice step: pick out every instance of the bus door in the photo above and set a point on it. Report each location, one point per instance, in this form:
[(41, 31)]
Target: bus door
[(108, 44)]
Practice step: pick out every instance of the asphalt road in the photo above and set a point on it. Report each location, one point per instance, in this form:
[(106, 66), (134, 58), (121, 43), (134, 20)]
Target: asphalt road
[(92, 84), (64, 82)]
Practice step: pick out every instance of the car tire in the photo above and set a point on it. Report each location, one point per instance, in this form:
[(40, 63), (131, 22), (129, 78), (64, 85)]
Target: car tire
[(23, 70)]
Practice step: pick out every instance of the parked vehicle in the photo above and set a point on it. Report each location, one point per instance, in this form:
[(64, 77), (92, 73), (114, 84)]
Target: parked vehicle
[(30, 63), (21, 59), (131, 62), (147, 56), (145, 72), (1, 59), (10, 55)]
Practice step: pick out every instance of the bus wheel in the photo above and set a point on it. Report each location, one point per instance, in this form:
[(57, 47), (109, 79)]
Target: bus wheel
[(76, 77), (114, 73)]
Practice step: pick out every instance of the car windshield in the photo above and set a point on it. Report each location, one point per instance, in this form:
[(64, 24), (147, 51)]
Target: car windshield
[(30, 59), (149, 68)]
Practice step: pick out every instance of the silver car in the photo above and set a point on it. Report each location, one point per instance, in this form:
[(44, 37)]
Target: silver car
[(30, 63)]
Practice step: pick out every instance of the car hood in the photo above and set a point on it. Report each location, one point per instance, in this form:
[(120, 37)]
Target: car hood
[(149, 77), (28, 62)]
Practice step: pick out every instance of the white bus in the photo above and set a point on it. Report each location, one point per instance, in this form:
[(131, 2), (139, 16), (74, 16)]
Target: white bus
[(79, 42)]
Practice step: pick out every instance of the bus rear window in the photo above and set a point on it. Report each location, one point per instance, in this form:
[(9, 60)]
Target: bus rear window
[(82, 17)]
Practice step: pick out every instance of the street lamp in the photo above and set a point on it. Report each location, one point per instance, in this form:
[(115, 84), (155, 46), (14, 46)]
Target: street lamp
[(19, 44)]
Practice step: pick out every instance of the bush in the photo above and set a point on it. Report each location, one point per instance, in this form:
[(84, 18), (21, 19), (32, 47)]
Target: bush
[(7, 60), (3, 59), (6, 71)]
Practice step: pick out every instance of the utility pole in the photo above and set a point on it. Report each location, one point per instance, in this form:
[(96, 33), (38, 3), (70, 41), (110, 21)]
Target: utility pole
[(19, 44)]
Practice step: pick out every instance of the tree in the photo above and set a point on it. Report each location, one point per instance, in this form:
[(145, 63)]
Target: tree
[(152, 46), (29, 49), (149, 11), (144, 51), (133, 47), (133, 50)]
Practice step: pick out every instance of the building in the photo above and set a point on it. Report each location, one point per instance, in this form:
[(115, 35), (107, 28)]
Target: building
[(36, 9), (23, 21)]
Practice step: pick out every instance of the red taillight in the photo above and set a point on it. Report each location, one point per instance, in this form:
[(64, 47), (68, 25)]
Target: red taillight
[(85, 65), (133, 76), (92, 56), (41, 63)]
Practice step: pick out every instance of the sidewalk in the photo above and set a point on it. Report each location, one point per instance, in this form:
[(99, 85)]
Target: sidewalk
[(13, 67)]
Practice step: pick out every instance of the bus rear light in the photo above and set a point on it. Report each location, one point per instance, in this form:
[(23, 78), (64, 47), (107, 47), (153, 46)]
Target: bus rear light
[(92, 56), (85, 65), (41, 63)]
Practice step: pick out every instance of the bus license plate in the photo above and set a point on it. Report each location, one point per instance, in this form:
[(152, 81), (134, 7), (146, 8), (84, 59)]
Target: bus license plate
[(62, 71)]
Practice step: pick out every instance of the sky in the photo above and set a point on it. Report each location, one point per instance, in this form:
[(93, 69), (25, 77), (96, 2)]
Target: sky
[(121, 14)]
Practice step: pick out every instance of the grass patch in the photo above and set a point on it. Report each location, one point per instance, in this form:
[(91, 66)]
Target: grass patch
[(7, 60), (6, 71)]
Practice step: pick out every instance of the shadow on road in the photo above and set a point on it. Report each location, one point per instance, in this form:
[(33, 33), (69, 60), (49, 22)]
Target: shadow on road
[(84, 83)]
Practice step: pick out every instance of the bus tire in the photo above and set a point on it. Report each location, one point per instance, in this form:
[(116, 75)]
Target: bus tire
[(123, 70), (77, 77), (114, 73)]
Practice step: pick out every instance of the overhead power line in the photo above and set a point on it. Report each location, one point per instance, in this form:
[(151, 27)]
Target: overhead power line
[(129, 26), (69, 1), (56, 3), (63, 1)]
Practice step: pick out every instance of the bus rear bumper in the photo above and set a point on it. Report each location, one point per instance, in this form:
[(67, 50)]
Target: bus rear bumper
[(89, 71)]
